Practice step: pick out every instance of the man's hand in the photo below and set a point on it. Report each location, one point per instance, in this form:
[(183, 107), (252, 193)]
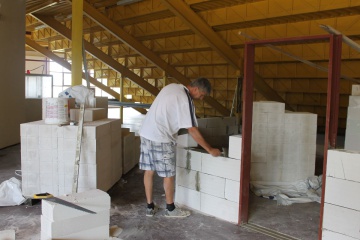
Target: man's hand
[(194, 132), (214, 152)]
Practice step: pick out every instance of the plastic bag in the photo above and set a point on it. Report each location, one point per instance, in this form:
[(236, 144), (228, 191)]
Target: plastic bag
[(10, 193), (81, 94)]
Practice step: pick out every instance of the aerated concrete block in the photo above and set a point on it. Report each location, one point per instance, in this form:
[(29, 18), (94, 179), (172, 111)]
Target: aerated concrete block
[(94, 200), (189, 159), (211, 184), (342, 192), (355, 90), (188, 178), (341, 220), (221, 166), (343, 164), (219, 207), (330, 235), (187, 197), (235, 144), (186, 140), (232, 190)]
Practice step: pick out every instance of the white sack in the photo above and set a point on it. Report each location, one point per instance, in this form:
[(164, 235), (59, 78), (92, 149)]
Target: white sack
[(10, 193), (81, 94)]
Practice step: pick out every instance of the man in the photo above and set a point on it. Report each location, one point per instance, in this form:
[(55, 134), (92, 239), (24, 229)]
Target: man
[(172, 109)]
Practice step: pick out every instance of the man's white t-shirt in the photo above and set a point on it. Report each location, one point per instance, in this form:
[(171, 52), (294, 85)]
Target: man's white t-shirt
[(172, 109)]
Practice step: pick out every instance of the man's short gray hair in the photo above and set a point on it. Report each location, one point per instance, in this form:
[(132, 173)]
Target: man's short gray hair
[(203, 84)]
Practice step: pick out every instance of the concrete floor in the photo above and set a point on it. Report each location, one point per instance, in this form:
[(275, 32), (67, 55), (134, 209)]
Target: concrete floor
[(128, 212)]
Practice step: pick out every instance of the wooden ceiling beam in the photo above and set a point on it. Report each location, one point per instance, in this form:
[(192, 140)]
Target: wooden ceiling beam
[(200, 27), (41, 6), (67, 65), (122, 35), (97, 53)]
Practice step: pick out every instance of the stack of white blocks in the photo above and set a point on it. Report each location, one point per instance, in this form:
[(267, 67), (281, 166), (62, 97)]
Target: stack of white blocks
[(283, 144), (208, 184), (352, 135), (131, 150), (341, 218), (62, 222), (48, 156)]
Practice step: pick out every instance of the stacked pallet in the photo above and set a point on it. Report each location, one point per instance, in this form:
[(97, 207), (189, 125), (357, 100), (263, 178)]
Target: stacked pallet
[(48, 156), (352, 135), (208, 184), (341, 218)]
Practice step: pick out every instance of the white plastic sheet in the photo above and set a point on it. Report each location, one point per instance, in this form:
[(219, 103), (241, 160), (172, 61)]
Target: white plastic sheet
[(10, 192), (81, 94), (302, 191)]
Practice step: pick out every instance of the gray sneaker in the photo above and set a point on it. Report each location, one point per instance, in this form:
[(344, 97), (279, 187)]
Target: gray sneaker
[(177, 213), (151, 212)]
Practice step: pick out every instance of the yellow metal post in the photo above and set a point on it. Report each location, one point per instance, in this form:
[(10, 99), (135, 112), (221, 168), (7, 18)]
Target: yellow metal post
[(77, 41)]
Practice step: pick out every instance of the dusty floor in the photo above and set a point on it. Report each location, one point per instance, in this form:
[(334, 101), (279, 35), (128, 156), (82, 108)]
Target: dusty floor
[(128, 212)]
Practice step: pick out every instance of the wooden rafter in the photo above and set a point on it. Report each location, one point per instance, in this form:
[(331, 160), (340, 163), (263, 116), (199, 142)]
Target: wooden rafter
[(122, 35), (40, 6), (200, 27), (97, 53)]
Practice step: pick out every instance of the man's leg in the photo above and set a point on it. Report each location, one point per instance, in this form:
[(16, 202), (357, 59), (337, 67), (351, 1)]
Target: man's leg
[(169, 187), (171, 210), (148, 183)]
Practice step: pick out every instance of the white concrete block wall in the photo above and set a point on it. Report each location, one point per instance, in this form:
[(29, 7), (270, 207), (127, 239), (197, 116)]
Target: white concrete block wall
[(212, 185), (354, 101), (328, 235), (187, 178), (128, 152), (188, 159), (343, 193), (352, 134), (116, 154), (341, 218), (268, 107), (284, 142), (203, 181), (343, 164), (48, 156), (186, 140), (235, 146), (221, 166), (355, 90), (219, 207), (187, 197), (232, 190), (216, 130)]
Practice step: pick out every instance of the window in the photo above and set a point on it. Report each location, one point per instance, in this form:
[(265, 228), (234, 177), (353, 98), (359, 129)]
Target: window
[(38, 86)]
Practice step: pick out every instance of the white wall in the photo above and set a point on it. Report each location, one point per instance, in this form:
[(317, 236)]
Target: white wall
[(12, 69)]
